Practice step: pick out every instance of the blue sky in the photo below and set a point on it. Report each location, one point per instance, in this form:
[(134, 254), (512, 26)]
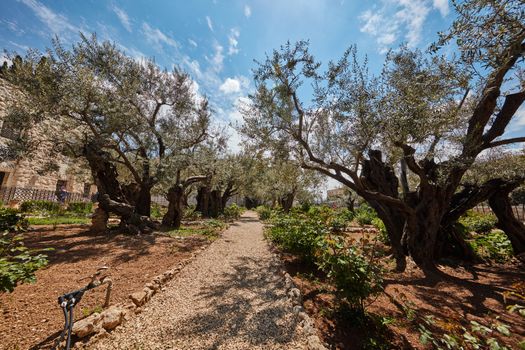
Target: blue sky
[(216, 41)]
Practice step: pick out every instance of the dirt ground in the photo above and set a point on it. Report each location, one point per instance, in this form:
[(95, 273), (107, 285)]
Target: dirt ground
[(31, 317), (461, 295)]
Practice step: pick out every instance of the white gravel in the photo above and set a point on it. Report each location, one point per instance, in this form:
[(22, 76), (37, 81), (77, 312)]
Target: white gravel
[(231, 296)]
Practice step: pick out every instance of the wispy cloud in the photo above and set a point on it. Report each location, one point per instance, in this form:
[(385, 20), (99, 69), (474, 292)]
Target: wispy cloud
[(233, 41), (217, 59), (157, 37), (399, 19), (192, 43), (442, 6), (20, 46), (123, 17), (57, 23), (13, 26), (210, 23), (247, 11)]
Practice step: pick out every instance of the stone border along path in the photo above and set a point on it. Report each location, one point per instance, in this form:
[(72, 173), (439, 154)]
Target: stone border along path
[(231, 296)]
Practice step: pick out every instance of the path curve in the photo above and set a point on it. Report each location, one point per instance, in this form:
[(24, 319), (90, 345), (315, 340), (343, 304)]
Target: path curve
[(231, 296)]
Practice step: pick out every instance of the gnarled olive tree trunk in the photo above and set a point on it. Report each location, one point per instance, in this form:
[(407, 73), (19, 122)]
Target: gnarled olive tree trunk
[(513, 228), (112, 198), (378, 176)]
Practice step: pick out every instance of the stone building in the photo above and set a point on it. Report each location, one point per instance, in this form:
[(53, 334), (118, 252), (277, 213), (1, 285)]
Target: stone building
[(23, 179)]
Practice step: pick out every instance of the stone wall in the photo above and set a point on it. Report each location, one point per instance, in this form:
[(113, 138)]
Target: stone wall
[(27, 173)]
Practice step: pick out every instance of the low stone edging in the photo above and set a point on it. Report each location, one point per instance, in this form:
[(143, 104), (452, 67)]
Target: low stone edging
[(313, 342), (97, 325)]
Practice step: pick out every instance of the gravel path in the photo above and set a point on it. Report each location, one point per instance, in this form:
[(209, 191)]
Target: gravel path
[(232, 296)]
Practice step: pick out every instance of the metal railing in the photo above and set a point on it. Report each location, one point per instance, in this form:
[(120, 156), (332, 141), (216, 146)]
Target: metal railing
[(22, 194), (518, 210)]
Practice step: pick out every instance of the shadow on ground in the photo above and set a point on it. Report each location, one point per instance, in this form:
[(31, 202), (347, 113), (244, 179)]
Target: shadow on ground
[(255, 314)]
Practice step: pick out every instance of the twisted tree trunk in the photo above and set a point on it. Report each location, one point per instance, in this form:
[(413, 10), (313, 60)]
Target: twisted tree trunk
[(513, 228), (111, 196)]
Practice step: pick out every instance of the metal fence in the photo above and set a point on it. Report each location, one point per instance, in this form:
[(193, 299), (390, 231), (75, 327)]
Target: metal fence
[(8, 194), (518, 210), (21, 194)]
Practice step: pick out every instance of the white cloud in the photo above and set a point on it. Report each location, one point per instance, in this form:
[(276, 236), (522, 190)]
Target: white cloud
[(233, 40), (399, 19), (218, 58), (413, 14), (192, 43), (57, 23), (247, 11), (230, 86), (123, 17), (210, 24), (442, 6), (235, 85), (157, 37)]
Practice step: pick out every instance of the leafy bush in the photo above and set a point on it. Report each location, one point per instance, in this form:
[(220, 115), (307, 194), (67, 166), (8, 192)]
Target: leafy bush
[(39, 206), (156, 211), (264, 212), (18, 264), (365, 214), (478, 222), (493, 246), (190, 214), (345, 214), (321, 212), (353, 269), (12, 220), (380, 225), (297, 235), (232, 212), (80, 207)]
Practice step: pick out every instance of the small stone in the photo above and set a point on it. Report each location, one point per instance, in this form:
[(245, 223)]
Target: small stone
[(297, 309), (139, 298), (86, 326), (314, 343), (111, 318)]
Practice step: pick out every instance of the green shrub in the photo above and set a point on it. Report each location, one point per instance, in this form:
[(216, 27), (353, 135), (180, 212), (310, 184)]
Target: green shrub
[(17, 263), (12, 220), (80, 207), (264, 212), (365, 214), (353, 270), (321, 212), (232, 212), (345, 214), (380, 225), (297, 235), (478, 222), (156, 211), (305, 206), (39, 206), (493, 246)]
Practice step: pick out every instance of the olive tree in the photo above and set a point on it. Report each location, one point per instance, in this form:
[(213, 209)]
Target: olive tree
[(117, 113), (424, 118)]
